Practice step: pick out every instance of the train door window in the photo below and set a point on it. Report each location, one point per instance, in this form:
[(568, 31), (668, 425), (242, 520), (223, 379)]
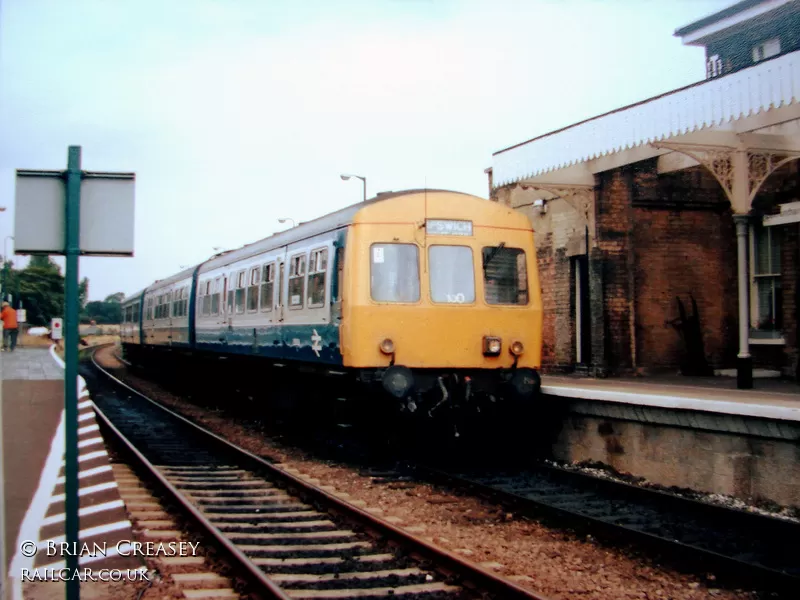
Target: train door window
[(149, 309), (240, 291), (252, 289), (175, 301), (281, 280), (215, 297), (505, 276), (204, 302), (267, 286), (159, 300), (297, 280), (317, 267), (394, 272), (339, 274), (231, 286), (136, 313), (452, 274), (185, 301)]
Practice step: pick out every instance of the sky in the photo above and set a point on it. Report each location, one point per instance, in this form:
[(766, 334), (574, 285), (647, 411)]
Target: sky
[(236, 113)]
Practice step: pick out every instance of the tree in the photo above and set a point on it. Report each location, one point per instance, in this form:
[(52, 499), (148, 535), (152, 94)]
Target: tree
[(40, 287), (118, 297), (107, 311)]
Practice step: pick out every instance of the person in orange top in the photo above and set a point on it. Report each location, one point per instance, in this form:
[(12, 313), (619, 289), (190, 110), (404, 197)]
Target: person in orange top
[(10, 327)]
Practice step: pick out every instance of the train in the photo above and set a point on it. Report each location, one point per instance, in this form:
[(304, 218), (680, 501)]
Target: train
[(422, 300)]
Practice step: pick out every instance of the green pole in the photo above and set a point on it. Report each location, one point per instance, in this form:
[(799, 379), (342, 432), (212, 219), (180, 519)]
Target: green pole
[(72, 242)]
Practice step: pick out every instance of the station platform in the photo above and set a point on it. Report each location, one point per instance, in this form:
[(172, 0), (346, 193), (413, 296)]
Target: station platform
[(33, 464), (768, 399)]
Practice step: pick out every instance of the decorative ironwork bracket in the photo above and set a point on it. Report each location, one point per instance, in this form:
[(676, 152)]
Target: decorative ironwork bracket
[(723, 162), (579, 197)]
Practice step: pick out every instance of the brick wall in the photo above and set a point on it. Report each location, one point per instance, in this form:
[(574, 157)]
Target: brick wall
[(655, 237), (613, 229), (685, 245)]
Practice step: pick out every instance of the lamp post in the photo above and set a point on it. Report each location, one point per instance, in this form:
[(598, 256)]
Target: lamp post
[(287, 219), (363, 180)]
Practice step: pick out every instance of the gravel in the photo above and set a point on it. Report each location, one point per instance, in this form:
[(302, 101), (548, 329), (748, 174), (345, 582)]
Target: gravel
[(553, 562)]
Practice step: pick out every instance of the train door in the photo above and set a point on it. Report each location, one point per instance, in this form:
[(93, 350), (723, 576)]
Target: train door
[(280, 296), (170, 316), (227, 301)]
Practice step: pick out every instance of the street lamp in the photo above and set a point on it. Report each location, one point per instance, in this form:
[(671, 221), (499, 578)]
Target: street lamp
[(287, 219), (363, 180)]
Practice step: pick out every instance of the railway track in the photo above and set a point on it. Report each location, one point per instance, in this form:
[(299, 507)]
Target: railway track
[(291, 538), (741, 546)]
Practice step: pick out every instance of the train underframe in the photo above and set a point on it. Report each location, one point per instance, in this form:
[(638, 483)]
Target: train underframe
[(447, 401)]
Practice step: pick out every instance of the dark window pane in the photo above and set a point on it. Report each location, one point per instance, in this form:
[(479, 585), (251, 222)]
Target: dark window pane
[(252, 298), (240, 301), (505, 275)]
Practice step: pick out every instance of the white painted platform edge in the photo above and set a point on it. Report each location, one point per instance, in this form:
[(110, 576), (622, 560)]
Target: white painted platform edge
[(738, 408)]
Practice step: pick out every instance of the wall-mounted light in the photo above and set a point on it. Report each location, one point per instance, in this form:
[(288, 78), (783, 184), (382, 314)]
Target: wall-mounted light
[(541, 205)]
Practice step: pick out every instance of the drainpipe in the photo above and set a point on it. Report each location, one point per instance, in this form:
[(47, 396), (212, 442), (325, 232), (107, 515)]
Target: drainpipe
[(744, 362)]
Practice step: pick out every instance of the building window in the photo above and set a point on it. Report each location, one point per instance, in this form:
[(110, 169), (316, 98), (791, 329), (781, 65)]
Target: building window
[(713, 66), (767, 311), (766, 50)]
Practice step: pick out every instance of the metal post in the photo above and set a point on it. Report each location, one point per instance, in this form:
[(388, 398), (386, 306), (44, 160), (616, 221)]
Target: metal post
[(3, 558), (744, 362), (72, 251)]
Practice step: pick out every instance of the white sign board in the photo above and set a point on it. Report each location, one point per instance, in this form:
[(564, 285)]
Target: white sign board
[(106, 218), (56, 329), (790, 213), (22, 315)]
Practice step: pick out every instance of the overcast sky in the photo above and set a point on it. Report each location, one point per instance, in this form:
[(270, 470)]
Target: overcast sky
[(234, 113)]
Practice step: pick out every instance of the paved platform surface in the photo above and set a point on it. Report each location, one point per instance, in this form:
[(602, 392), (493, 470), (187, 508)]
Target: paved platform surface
[(33, 460), (769, 398)]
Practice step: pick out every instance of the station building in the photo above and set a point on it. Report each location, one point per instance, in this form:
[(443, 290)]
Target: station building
[(689, 199)]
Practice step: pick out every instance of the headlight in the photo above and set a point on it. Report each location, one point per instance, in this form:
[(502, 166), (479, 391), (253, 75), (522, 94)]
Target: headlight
[(517, 348), (387, 346), (492, 346)]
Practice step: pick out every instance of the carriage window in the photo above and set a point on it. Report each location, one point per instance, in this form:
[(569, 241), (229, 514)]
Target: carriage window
[(240, 290), (297, 271), (136, 313), (505, 276), (452, 274), (230, 294), (317, 267), (207, 298), (252, 290), (267, 285), (394, 276), (215, 297)]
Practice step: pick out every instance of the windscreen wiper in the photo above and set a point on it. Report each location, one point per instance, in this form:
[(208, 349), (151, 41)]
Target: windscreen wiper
[(492, 255)]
